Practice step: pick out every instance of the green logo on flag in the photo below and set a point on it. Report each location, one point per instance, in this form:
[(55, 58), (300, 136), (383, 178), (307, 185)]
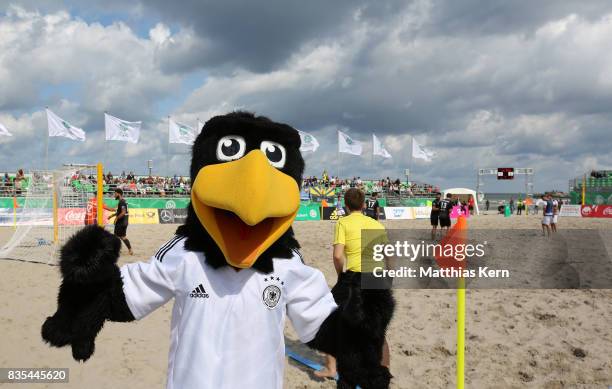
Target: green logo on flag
[(307, 139), (183, 131), (66, 125), (124, 130), (349, 141)]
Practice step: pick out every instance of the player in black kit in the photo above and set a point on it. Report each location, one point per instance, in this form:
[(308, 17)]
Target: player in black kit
[(446, 205), (373, 207), (122, 219), (433, 217)]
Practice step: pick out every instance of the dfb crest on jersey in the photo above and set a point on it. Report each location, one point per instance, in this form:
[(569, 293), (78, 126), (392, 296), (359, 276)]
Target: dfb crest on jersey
[(272, 293)]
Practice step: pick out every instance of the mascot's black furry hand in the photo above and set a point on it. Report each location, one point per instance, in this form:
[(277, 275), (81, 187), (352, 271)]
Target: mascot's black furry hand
[(355, 334), (91, 292)]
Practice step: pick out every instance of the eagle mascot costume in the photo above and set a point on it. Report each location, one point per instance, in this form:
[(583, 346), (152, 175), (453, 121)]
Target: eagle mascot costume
[(234, 271)]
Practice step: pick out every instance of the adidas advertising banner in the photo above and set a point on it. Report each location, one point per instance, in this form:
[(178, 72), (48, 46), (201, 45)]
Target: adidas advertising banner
[(570, 211), (333, 213), (172, 216), (399, 213)]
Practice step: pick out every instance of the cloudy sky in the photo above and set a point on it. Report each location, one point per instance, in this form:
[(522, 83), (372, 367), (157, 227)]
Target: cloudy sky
[(481, 83)]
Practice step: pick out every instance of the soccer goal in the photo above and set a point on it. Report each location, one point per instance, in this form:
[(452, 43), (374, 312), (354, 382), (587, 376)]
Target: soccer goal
[(56, 204)]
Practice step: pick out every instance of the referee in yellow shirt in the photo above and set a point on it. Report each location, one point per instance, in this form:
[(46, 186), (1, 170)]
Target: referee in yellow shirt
[(347, 251)]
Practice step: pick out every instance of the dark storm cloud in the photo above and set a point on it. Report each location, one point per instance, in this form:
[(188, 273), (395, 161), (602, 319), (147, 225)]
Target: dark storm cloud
[(259, 35)]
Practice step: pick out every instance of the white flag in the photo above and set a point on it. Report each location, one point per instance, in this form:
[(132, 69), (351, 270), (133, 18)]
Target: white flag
[(421, 152), (117, 129), (199, 129), (4, 131), (180, 133), (378, 148), (60, 127), (348, 145), (309, 142)]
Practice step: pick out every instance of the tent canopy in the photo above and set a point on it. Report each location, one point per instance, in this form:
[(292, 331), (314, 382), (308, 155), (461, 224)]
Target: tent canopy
[(463, 194)]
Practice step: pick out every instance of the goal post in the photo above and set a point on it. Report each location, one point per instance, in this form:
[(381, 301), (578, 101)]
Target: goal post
[(56, 204), (100, 193)]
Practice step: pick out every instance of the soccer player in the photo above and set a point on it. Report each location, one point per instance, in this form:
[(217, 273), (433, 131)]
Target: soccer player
[(446, 206), (373, 207), (121, 219), (548, 213), (434, 215), (347, 251)]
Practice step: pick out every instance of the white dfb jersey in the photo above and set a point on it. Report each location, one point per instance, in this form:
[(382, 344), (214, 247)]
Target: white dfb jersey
[(227, 325)]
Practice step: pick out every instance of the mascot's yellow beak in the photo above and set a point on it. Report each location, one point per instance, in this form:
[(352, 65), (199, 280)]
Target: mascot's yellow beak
[(245, 206)]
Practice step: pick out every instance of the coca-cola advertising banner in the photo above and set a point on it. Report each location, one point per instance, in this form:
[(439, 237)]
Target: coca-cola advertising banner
[(71, 216), (78, 216), (596, 211)]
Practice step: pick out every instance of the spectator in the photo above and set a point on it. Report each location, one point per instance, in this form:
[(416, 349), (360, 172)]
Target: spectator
[(18, 182)]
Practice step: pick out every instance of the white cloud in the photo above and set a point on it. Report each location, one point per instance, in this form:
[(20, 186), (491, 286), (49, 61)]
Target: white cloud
[(110, 65), (83, 69)]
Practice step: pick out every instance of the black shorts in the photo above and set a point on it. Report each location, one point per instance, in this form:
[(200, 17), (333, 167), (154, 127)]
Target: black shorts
[(372, 215), (121, 229), (434, 219), (445, 221)]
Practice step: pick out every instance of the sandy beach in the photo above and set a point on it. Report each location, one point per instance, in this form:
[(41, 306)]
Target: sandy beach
[(515, 338)]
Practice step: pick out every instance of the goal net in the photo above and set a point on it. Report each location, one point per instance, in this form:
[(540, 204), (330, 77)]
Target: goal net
[(56, 204)]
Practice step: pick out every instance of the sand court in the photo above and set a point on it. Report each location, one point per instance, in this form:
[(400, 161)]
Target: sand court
[(547, 338)]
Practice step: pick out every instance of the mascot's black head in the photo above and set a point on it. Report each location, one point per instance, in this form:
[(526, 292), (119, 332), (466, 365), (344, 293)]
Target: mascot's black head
[(246, 173)]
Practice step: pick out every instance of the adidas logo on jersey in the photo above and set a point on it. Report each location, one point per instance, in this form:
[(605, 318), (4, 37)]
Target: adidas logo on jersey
[(198, 292)]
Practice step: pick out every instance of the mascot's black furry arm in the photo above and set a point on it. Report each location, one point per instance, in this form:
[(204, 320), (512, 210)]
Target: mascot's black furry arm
[(90, 294), (234, 271)]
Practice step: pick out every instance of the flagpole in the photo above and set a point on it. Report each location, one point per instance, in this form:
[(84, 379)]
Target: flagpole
[(372, 161), (168, 150), (338, 154), (105, 142), (410, 162), (47, 141)]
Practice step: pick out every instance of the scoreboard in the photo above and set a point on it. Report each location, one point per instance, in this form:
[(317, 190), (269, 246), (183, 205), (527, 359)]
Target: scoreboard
[(505, 173)]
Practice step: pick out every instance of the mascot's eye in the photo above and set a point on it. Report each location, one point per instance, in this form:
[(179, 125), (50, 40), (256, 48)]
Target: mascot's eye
[(230, 147), (275, 153)]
